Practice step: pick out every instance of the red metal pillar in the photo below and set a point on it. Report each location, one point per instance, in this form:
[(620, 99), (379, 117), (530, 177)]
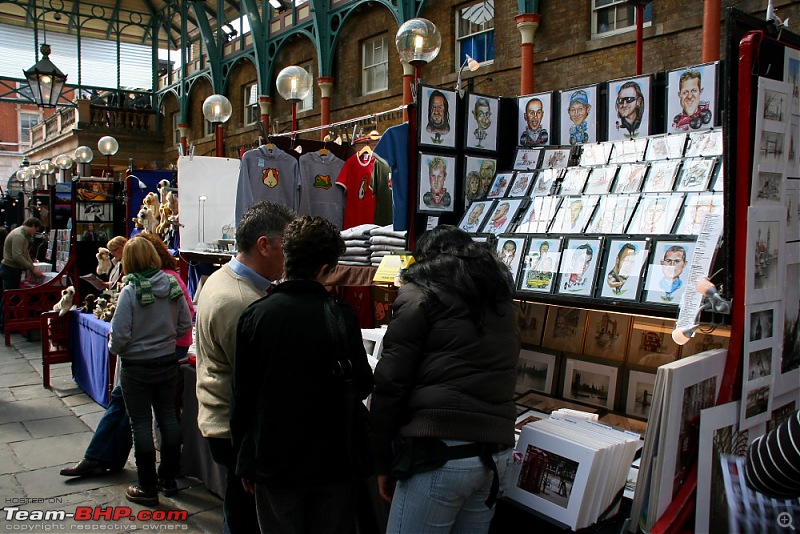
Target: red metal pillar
[(527, 24), (325, 85), (712, 11)]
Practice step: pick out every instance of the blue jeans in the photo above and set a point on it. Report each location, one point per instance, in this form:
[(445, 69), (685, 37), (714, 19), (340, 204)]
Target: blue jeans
[(238, 507), (450, 499), (149, 388), (112, 441)]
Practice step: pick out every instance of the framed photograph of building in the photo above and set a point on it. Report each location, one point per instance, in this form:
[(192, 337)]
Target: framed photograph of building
[(623, 269), (509, 251), (590, 383), (692, 98), (531, 321), (765, 249), (540, 265), (536, 371), (475, 216), (436, 183), (639, 394), (629, 108), (565, 329), (607, 336), (482, 117), (535, 119), (651, 343), (579, 115), (502, 214), (667, 274), (538, 215), (579, 260), (438, 119)]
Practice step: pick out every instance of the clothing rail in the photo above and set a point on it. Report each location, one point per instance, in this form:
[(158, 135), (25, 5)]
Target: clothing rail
[(340, 123)]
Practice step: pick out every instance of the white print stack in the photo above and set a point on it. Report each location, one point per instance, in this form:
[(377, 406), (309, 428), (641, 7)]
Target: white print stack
[(569, 469), (682, 389), (356, 241), (385, 240)]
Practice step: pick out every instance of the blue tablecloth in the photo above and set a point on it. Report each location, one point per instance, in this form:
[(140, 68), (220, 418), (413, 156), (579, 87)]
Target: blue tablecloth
[(88, 345)]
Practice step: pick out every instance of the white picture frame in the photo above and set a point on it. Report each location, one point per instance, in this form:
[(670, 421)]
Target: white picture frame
[(787, 374), (590, 383), (538, 215), (639, 397), (764, 254), (595, 153)]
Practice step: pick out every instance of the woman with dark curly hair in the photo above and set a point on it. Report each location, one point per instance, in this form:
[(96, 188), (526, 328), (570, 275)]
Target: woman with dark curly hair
[(444, 387), (284, 350)]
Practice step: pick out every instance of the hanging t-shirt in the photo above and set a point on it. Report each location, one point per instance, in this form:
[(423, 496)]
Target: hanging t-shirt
[(267, 175), (393, 149), (381, 186), (359, 207), (319, 193)]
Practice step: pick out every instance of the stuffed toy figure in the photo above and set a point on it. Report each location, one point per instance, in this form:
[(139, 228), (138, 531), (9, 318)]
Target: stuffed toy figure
[(103, 261), (65, 304)]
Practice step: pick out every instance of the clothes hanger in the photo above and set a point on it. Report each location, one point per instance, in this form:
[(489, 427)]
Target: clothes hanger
[(324, 150)]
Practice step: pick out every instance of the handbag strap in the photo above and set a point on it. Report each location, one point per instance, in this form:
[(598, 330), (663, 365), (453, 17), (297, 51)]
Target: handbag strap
[(336, 328)]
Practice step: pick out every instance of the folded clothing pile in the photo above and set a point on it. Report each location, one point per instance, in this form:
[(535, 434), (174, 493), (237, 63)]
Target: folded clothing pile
[(356, 239), (383, 241)]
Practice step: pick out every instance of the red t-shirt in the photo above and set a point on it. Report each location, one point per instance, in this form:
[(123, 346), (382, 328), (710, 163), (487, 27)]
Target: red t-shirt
[(355, 177)]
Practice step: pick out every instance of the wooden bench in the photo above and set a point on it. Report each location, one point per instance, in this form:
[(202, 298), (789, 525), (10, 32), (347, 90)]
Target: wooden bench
[(55, 342)]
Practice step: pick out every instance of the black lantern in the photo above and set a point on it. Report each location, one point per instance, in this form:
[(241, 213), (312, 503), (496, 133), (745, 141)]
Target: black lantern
[(46, 80)]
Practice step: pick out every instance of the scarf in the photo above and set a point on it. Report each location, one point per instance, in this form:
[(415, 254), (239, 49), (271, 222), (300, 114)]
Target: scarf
[(144, 288)]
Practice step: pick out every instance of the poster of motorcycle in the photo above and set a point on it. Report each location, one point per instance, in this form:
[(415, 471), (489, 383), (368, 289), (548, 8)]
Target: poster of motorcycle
[(692, 98)]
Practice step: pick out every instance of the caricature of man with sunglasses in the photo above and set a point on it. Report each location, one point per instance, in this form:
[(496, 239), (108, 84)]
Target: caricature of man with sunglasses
[(630, 108)]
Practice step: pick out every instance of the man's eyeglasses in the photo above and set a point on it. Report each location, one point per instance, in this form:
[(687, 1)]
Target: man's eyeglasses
[(626, 100)]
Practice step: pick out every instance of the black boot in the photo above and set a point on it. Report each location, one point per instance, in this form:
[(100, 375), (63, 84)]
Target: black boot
[(168, 470), (145, 492)]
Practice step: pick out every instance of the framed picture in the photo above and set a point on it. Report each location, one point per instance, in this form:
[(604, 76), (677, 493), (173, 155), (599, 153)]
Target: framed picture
[(540, 265), (661, 177), (538, 215), (523, 181), (695, 174), (535, 371), (765, 247), (573, 214), (595, 153), (704, 143), (651, 343), (436, 183), (628, 150), (574, 180), (600, 179), (475, 216), (669, 146), (692, 98), (94, 211), (589, 382), (530, 318), (485, 168), (579, 115), (579, 260), (623, 269), (667, 274), (509, 251), (607, 336), (555, 158), (546, 180), (719, 338), (99, 233), (613, 214), (547, 404), (526, 159), (564, 329), (789, 368), (501, 216), (695, 209), (656, 214), (502, 181), (528, 416), (482, 117), (95, 191), (535, 119), (437, 118), (639, 395), (628, 111), (791, 202), (767, 188), (630, 178)]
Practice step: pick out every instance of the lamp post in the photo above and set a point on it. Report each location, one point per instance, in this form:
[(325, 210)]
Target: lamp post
[(293, 84), (45, 80), (48, 172), (64, 162), (108, 146), (83, 156), (217, 110), (418, 42)]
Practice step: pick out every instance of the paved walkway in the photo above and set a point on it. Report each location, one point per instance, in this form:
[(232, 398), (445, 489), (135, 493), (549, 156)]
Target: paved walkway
[(43, 430)]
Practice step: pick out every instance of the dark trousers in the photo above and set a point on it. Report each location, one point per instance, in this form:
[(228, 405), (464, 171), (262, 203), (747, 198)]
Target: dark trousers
[(329, 508), (239, 507), (11, 277)]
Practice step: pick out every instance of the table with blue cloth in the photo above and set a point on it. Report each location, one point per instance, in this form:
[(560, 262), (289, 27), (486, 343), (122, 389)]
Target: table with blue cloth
[(92, 364)]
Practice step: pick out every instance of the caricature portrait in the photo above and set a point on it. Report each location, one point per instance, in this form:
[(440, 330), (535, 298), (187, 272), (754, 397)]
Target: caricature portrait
[(578, 265), (692, 98), (473, 186), (623, 267), (482, 123), (485, 169), (438, 127), (500, 219), (471, 222), (436, 183), (666, 277), (534, 112), (540, 264), (578, 125), (627, 108)]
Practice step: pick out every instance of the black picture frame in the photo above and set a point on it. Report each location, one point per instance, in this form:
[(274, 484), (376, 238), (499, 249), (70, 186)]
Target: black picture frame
[(442, 201), (666, 280), (544, 134), (699, 111), (539, 269), (482, 130), (429, 133), (584, 98), (580, 258), (475, 216), (623, 267), (620, 93)]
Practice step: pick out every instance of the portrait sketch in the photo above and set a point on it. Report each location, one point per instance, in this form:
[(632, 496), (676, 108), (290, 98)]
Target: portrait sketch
[(628, 108), (485, 168), (540, 265), (630, 178), (628, 150), (579, 115), (574, 180), (607, 335), (668, 272), (612, 214), (526, 158), (546, 180), (565, 329), (573, 214), (623, 269), (661, 177), (475, 215), (600, 179), (523, 181), (656, 214), (696, 207), (579, 260), (436, 183), (538, 215), (438, 118), (669, 146), (535, 119), (502, 181), (595, 153), (695, 174), (692, 98), (509, 251), (501, 216), (555, 158), (704, 143), (482, 117)]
